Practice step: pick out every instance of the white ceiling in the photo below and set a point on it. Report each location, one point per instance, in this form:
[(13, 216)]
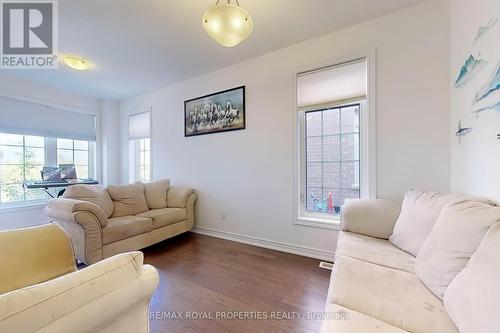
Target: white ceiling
[(142, 45)]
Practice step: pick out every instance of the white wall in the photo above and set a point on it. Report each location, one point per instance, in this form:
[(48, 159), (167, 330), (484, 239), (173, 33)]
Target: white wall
[(475, 159), (109, 142), (107, 137), (249, 173)]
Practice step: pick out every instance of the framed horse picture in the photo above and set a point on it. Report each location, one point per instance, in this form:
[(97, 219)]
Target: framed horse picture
[(219, 112)]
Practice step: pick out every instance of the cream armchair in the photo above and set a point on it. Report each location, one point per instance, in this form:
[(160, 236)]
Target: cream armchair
[(41, 289), (103, 222)]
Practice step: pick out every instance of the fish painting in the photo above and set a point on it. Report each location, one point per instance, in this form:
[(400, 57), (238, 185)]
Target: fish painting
[(489, 88), (468, 70), (484, 29), (461, 131), (494, 107)]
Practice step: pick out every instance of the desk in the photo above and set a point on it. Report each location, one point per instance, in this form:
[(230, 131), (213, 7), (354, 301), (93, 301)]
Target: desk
[(46, 185)]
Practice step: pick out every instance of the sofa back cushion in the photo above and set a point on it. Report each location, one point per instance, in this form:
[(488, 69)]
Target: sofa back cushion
[(473, 298), (128, 199), (454, 238), (156, 193), (419, 213), (95, 194)]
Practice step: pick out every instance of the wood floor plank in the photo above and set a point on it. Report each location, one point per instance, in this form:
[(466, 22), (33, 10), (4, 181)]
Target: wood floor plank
[(213, 278)]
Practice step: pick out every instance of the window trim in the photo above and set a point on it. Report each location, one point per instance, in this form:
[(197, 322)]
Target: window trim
[(10, 207), (367, 143)]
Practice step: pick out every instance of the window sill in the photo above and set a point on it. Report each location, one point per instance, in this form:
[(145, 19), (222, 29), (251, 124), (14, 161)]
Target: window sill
[(332, 224), (7, 208)]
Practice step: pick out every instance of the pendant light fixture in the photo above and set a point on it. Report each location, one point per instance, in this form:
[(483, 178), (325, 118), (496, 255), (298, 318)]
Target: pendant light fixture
[(227, 23)]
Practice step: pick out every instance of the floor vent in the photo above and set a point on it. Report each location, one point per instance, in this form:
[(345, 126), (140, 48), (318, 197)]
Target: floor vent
[(326, 265)]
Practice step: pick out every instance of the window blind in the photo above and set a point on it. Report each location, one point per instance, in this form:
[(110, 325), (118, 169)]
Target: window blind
[(20, 117), (329, 85), (139, 125)]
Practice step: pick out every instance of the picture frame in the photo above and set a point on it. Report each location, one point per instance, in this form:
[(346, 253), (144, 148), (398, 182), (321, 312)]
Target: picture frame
[(223, 111)]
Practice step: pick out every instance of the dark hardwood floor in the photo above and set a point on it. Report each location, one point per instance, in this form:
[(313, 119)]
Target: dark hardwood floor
[(213, 278)]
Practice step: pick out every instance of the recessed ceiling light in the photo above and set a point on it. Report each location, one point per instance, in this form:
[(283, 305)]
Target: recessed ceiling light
[(227, 23), (76, 63)]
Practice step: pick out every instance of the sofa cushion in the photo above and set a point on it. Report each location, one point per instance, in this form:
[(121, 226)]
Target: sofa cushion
[(165, 216), (95, 194), (120, 228), (419, 213), (455, 237), (156, 193), (473, 297), (370, 217), (390, 295), (128, 199), (374, 250), (344, 320)]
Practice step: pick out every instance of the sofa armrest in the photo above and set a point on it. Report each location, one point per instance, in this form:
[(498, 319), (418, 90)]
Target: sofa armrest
[(374, 217), (190, 209), (100, 297), (84, 222), (177, 196), (34, 255), (65, 207)]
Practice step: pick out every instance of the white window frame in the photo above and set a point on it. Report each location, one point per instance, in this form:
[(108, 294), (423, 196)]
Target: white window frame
[(134, 160), (138, 165), (367, 146)]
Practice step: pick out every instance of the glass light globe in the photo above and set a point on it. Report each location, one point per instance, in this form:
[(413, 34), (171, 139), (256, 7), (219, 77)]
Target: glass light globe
[(228, 24)]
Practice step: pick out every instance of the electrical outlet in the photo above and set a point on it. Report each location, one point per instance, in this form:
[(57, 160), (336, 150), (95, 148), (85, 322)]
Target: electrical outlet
[(223, 216)]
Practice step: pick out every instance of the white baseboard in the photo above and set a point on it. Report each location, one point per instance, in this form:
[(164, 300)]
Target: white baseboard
[(265, 243)]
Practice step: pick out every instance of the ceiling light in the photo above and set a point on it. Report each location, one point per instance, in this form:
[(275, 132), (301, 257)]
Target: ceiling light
[(227, 23), (77, 63)]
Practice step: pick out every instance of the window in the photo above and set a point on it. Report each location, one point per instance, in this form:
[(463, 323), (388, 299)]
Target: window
[(21, 159), (75, 152), (140, 147), (29, 133), (332, 158), (334, 143), (143, 162)]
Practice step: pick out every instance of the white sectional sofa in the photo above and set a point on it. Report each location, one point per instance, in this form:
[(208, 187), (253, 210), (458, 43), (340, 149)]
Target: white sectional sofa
[(375, 286)]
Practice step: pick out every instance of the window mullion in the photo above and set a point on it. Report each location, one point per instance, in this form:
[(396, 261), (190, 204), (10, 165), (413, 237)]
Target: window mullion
[(340, 151), (24, 166), (322, 159)]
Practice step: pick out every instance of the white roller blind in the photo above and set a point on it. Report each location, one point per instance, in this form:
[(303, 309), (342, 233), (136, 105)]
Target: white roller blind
[(138, 126), (20, 117), (332, 84)]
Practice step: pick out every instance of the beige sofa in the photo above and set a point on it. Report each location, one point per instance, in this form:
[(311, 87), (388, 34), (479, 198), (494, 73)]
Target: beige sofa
[(103, 222), (375, 286), (41, 289)]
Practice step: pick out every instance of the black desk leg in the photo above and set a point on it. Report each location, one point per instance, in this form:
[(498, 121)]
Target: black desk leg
[(47, 191)]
